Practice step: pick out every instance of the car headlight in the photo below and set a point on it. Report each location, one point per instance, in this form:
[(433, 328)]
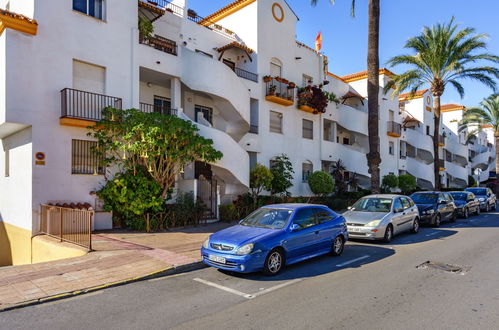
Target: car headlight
[(430, 211), (481, 199), (245, 249), (373, 223), (206, 243)]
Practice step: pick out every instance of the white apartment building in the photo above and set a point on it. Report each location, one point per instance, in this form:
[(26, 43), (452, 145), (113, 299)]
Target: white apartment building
[(62, 61)]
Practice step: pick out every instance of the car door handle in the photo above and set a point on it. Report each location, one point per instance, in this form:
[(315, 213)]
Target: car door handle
[(317, 232), (403, 213)]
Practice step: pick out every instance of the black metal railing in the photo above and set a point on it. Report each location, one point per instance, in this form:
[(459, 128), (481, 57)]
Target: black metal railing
[(254, 129), (394, 128), (192, 16), (161, 43), (441, 163), (279, 87), (86, 105), (441, 140), (165, 110), (246, 74)]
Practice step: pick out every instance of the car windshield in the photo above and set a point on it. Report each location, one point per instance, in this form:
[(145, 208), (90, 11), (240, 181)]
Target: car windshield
[(267, 218), (460, 196), (373, 205), (478, 191), (424, 198)]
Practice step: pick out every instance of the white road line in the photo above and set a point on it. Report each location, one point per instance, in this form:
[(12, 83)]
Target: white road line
[(275, 287), (224, 288), (434, 233), (352, 261)]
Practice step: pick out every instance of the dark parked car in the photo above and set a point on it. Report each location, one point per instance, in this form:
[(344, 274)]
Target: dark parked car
[(466, 203), (485, 196), (435, 207)]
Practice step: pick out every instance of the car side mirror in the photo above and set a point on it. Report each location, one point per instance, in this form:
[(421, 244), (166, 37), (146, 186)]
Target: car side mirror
[(294, 227)]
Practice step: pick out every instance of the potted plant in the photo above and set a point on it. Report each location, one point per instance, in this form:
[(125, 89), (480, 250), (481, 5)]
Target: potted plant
[(284, 81), (145, 29), (191, 13), (267, 79), (279, 79), (291, 85), (272, 89)]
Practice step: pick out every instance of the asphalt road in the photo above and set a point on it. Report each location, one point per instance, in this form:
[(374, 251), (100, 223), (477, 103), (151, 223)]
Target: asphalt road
[(371, 286)]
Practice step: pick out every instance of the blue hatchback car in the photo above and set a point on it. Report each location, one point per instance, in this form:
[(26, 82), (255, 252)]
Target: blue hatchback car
[(274, 236)]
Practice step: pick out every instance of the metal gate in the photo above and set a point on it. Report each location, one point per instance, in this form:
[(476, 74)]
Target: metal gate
[(207, 194)]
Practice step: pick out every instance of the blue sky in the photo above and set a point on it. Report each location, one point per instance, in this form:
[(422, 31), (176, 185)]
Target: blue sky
[(345, 38)]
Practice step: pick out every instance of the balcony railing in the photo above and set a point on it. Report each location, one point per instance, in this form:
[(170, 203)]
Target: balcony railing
[(277, 90), (161, 43), (165, 110), (393, 129), (67, 224), (246, 74), (441, 164), (85, 105), (441, 140), (192, 16)]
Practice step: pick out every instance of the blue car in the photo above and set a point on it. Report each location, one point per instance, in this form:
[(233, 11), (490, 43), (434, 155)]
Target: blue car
[(274, 236)]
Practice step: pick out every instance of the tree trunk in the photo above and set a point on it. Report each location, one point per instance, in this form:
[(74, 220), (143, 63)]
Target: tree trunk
[(373, 157), (496, 135), (436, 135)]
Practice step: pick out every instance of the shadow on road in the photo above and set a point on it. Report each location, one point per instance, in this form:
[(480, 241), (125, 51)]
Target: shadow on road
[(408, 238), (324, 264)]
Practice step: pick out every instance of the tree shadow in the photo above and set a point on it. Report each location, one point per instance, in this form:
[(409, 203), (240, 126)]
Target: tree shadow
[(410, 238), (5, 250), (325, 264)]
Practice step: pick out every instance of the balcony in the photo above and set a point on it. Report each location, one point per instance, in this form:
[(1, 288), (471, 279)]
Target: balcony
[(160, 43), (279, 91), (441, 140), (393, 129), (246, 74), (83, 109), (165, 110), (194, 17), (441, 165)]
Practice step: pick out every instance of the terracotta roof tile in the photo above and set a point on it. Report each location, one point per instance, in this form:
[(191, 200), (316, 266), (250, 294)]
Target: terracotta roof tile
[(236, 44), (363, 75), (227, 10), (451, 107), (417, 94)]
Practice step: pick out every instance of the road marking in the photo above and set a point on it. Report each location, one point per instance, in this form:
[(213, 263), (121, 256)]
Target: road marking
[(224, 288), (275, 287), (352, 261), (66, 300), (434, 233)]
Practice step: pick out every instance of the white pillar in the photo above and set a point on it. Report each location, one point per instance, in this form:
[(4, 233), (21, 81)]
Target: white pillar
[(176, 93)]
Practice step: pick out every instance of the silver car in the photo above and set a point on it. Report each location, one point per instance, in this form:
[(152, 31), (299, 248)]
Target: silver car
[(376, 217)]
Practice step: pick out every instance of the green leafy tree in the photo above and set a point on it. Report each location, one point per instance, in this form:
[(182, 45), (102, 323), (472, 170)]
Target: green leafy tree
[(260, 180), (338, 172), (373, 157), (282, 170), (407, 183), (321, 183), (390, 181), (162, 145), (487, 116), (131, 195), (471, 181), (440, 56)]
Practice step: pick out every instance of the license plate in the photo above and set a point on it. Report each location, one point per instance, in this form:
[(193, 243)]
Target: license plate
[(355, 229), (216, 259)]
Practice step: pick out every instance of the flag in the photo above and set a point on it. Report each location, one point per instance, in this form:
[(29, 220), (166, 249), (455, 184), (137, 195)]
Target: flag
[(318, 41)]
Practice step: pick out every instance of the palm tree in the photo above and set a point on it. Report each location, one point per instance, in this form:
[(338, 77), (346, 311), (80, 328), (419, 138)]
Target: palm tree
[(443, 55), (373, 157), (478, 118)]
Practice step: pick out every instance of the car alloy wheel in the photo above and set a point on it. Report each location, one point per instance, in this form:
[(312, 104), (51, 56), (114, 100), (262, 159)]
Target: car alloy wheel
[(453, 217), (466, 213), (436, 221), (338, 246), (477, 210), (274, 262), (494, 206), (415, 226), (388, 234), (487, 207)]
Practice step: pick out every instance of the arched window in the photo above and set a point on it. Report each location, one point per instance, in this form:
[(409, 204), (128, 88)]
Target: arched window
[(275, 67), (306, 169)]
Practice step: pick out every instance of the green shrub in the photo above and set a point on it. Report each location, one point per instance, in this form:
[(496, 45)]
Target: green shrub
[(260, 179), (407, 183), (471, 181), (390, 182), (321, 183), (229, 213), (282, 170)]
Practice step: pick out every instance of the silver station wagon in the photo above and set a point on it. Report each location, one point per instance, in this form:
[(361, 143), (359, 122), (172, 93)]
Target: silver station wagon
[(380, 217)]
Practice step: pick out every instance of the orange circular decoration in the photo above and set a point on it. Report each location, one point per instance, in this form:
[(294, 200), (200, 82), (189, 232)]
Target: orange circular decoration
[(277, 12), (40, 156), (428, 99)]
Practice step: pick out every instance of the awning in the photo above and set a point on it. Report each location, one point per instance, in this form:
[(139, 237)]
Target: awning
[(351, 94), (238, 45)]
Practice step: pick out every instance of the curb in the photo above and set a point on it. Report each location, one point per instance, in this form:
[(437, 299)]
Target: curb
[(156, 274)]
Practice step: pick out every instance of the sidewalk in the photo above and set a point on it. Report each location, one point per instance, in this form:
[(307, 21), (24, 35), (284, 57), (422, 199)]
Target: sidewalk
[(119, 257)]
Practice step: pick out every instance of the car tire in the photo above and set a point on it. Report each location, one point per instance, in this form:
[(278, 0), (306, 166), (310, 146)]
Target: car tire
[(274, 263), (388, 234), (338, 246), (477, 212), (453, 217), (487, 207), (437, 220), (415, 226), (466, 213), (494, 206)]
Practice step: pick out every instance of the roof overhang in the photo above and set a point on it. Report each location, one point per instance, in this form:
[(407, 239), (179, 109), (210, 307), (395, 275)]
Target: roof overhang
[(17, 22), (237, 45)]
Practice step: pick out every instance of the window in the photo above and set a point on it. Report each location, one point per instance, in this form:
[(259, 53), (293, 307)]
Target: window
[(230, 64), (328, 130), (346, 141), (275, 122), (202, 113), (162, 105), (323, 216), (306, 169), (308, 129), (397, 205), (428, 130), (275, 68), (305, 218), (391, 148), (83, 158), (7, 162), (252, 159), (306, 80), (94, 8), (405, 203), (391, 115), (89, 77)]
